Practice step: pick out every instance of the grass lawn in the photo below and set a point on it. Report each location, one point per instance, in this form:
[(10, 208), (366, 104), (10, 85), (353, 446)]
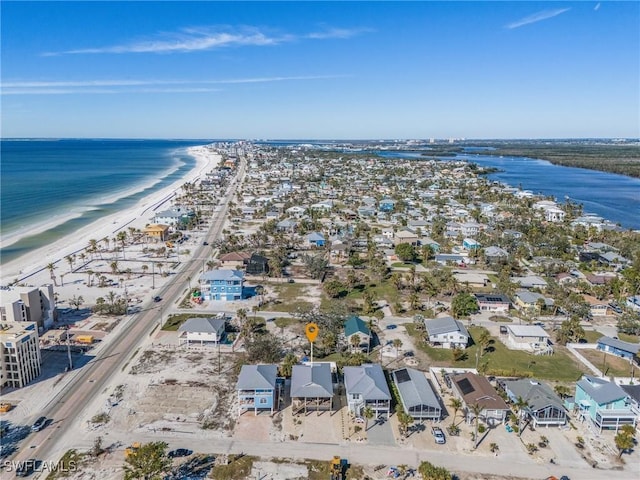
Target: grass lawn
[(284, 322), (610, 365), (288, 297), (625, 337), (592, 336), (239, 468), (501, 361), (173, 322)]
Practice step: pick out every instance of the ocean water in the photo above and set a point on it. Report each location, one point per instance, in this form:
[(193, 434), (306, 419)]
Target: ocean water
[(45, 182)]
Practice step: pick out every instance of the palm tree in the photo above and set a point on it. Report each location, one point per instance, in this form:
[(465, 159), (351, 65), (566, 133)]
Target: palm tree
[(397, 343), (51, 267), (160, 265), (456, 405), (93, 246), (368, 414), (494, 447), (355, 341), (122, 238), (521, 404), (114, 267), (476, 409), (70, 259), (145, 268), (89, 274)]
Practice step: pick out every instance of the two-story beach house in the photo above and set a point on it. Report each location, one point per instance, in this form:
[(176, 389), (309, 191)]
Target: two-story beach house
[(201, 331), (222, 285), (311, 388), (603, 404), (356, 326), (257, 388), (366, 387), (446, 332)]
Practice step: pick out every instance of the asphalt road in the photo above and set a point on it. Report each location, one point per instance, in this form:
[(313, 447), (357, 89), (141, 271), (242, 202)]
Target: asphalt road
[(94, 377)]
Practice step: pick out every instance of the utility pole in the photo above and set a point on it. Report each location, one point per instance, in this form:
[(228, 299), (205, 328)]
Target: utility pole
[(69, 350), (153, 275)]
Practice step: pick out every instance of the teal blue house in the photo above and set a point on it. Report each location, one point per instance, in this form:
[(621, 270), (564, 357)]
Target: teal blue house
[(603, 404), (356, 326), (222, 285)]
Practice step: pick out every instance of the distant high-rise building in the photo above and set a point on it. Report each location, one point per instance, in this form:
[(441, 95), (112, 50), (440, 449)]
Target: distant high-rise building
[(29, 304)]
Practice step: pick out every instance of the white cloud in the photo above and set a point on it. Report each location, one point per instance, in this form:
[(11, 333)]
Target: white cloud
[(537, 17), (67, 87), (195, 39), (597, 7)]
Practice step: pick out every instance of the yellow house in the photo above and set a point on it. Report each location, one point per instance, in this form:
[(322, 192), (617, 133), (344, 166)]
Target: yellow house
[(157, 231)]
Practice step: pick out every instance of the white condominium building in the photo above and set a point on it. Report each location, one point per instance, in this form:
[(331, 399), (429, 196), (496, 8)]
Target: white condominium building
[(20, 360)]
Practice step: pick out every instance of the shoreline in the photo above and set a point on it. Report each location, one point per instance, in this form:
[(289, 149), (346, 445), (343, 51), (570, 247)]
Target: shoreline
[(28, 265), (78, 211)]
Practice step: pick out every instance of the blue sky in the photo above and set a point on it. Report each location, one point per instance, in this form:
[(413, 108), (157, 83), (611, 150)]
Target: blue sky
[(320, 70)]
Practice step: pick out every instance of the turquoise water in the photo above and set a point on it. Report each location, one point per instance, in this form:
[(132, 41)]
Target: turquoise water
[(42, 180)]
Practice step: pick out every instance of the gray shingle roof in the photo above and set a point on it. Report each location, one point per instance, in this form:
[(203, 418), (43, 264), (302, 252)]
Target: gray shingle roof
[(415, 390), (437, 326), (538, 395), (602, 391), (620, 345), (257, 377), (367, 380), (204, 325), (311, 381)]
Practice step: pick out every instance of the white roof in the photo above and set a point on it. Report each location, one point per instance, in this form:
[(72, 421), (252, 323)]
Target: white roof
[(527, 331)]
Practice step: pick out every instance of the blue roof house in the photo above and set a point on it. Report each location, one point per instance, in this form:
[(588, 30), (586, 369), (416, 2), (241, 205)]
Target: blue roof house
[(387, 205), (602, 403), (315, 239), (222, 285), (256, 388)]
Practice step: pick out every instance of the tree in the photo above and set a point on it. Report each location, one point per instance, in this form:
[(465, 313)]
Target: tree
[(76, 301), (397, 343), (456, 405), (624, 439), (122, 238), (114, 267), (521, 405), (334, 288), (149, 462), (97, 447), (286, 369), (463, 305), (368, 414), (404, 420), (265, 348), (570, 331), (70, 259), (51, 267), (406, 252), (428, 471), (355, 341), (484, 341), (476, 409)]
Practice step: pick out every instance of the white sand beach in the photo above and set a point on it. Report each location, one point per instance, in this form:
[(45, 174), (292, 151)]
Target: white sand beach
[(31, 269)]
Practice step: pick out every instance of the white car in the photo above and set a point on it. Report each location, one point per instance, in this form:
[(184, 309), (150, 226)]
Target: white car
[(438, 435)]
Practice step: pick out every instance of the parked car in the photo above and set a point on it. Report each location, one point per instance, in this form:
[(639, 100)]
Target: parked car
[(39, 424), (157, 299), (391, 326), (180, 452), (205, 243), (438, 434)]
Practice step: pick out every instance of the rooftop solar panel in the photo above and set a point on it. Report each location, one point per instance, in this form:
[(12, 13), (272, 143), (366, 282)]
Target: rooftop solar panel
[(402, 376), (465, 386)]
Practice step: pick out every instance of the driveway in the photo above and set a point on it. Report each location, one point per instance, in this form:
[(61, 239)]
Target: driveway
[(380, 433)]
